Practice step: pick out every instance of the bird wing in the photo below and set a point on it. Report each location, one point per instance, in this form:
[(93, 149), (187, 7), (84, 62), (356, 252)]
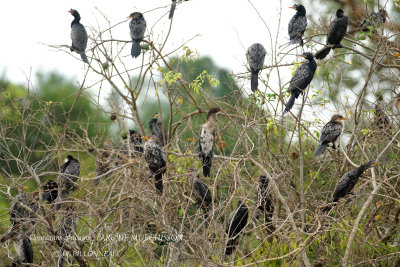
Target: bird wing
[(330, 132), (206, 140), (137, 28), (337, 30), (79, 37), (297, 26), (301, 78)]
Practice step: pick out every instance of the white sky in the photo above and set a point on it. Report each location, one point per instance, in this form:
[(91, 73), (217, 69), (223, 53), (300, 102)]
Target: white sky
[(224, 25)]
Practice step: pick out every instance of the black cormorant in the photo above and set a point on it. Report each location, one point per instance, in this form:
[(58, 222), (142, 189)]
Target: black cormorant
[(266, 202), (157, 161), (50, 191), (207, 140), (301, 79), (79, 36), (347, 183), (201, 193), (330, 132), (236, 222), (374, 20), (158, 129), (137, 26), (336, 31), (255, 57), (298, 25), (172, 9), (69, 173)]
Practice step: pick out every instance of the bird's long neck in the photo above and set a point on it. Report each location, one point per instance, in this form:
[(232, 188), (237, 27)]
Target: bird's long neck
[(210, 122), (362, 169), (313, 64), (300, 13), (77, 19)]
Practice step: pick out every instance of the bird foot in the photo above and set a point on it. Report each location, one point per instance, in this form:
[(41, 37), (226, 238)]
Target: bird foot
[(333, 146)]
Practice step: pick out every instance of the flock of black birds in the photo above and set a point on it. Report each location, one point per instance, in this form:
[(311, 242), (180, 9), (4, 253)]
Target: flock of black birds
[(24, 207)]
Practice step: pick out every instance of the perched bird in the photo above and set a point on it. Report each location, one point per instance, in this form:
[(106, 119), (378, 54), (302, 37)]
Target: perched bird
[(297, 25), (137, 26), (50, 191), (136, 141), (172, 10), (66, 229), (374, 20), (201, 193), (266, 202), (79, 36), (330, 133), (255, 57), (207, 140), (381, 119), (23, 248), (336, 31), (158, 129), (236, 222), (301, 79), (157, 161), (69, 173), (347, 183), (103, 161), (133, 148)]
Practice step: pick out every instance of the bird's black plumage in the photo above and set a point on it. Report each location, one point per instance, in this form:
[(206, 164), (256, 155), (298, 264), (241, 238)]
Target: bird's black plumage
[(347, 183), (79, 36), (156, 160), (158, 129), (374, 20), (297, 25), (137, 27), (69, 173), (336, 31), (172, 9), (255, 57), (207, 141), (201, 193), (236, 222), (330, 133), (50, 190), (381, 119), (266, 202), (301, 79), (24, 250)]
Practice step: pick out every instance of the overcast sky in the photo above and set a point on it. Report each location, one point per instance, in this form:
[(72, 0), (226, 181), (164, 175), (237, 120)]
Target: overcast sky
[(226, 29)]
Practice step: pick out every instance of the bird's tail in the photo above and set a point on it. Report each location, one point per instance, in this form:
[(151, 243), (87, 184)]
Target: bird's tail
[(172, 10), (268, 223), (61, 259), (159, 182), (61, 196), (321, 54), (254, 81), (84, 58), (207, 161), (135, 51), (230, 247), (28, 250), (320, 149), (296, 40), (290, 103)]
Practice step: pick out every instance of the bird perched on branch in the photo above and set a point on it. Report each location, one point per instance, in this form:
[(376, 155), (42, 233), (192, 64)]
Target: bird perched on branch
[(376, 19), (301, 79), (201, 193), (255, 57), (156, 160), (50, 191), (69, 173), (79, 36), (330, 133), (207, 141), (381, 119), (236, 222), (297, 25), (172, 9), (137, 26), (266, 202), (347, 183), (336, 31), (158, 129)]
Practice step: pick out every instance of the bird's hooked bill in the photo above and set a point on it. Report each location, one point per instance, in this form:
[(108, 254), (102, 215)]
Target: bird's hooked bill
[(343, 119), (376, 163), (145, 138), (293, 7), (302, 55), (24, 188)]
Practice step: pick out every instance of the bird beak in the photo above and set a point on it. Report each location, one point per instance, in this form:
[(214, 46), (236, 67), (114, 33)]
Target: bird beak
[(155, 116), (303, 56), (129, 17), (343, 119), (145, 138), (376, 163), (70, 11), (293, 7), (24, 188)]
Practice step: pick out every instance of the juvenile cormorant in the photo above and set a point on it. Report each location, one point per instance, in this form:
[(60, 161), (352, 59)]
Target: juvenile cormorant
[(236, 222), (66, 229), (265, 202), (158, 129), (69, 173), (347, 183), (301, 79), (297, 25), (50, 191), (330, 133), (201, 193), (381, 119), (207, 140), (79, 36), (336, 31), (373, 20), (137, 26), (255, 57), (157, 161)]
